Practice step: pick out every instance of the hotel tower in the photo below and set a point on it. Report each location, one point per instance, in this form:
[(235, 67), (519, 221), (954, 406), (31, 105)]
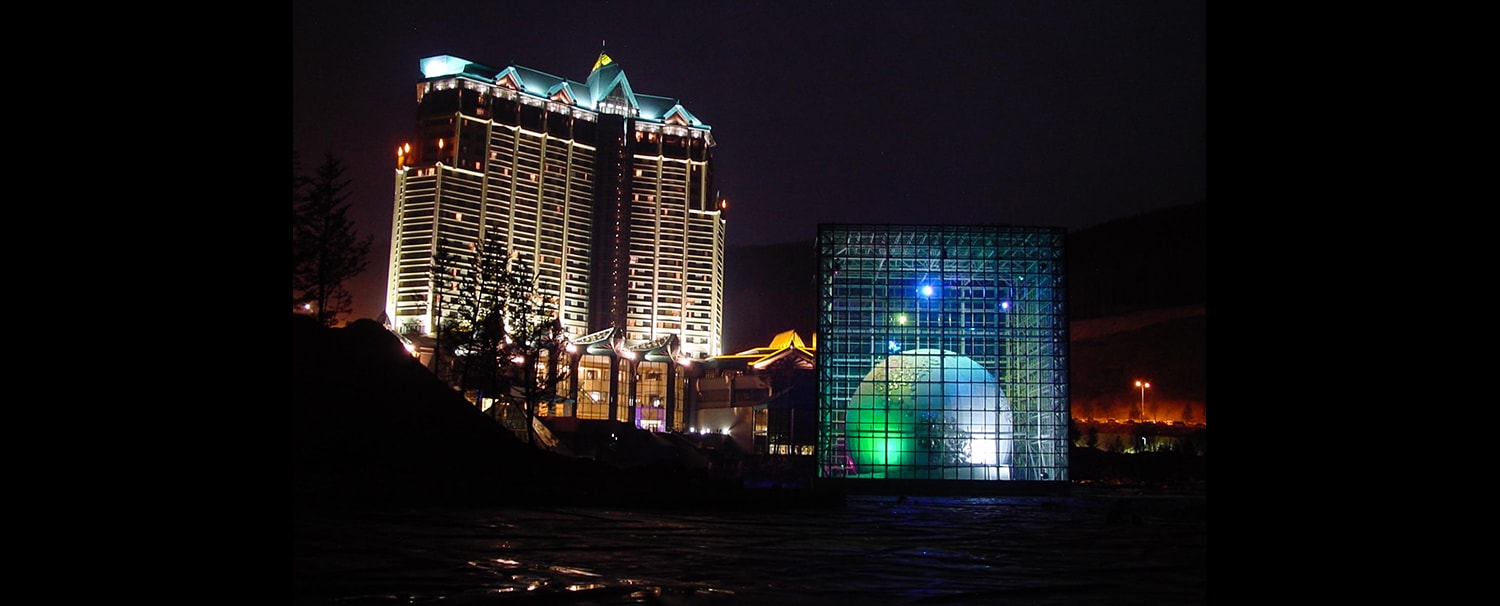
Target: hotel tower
[(605, 192)]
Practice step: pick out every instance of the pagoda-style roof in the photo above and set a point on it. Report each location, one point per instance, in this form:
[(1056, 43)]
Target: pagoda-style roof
[(787, 347)]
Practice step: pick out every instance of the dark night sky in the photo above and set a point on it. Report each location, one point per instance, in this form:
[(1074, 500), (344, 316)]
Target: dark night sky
[(1041, 113)]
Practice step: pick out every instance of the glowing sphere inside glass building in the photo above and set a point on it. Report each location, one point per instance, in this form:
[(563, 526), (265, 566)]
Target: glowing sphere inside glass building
[(929, 413)]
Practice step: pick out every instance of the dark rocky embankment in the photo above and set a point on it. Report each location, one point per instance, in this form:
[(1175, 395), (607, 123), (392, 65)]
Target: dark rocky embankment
[(372, 425)]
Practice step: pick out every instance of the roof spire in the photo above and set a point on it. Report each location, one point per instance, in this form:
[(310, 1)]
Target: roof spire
[(601, 61)]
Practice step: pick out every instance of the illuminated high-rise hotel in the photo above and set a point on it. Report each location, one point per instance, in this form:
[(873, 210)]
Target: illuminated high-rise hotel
[(607, 193)]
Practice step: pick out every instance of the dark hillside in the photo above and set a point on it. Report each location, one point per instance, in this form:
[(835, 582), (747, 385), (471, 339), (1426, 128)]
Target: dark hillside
[(1156, 260), (370, 422), (1169, 348)]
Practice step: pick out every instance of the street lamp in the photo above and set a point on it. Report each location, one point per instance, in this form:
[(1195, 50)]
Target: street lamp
[(1143, 385)]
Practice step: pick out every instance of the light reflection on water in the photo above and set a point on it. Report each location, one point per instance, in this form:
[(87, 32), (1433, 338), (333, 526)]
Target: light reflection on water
[(1080, 549)]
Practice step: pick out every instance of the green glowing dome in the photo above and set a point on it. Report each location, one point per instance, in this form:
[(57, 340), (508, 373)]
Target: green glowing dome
[(927, 408)]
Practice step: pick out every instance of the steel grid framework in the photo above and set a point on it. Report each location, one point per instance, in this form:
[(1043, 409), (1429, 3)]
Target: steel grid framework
[(942, 352)]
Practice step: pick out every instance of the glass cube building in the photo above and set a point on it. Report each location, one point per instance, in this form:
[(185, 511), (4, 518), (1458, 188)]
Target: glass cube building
[(942, 355)]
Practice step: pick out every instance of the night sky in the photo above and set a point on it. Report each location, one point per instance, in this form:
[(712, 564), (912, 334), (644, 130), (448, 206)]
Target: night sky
[(1038, 113)]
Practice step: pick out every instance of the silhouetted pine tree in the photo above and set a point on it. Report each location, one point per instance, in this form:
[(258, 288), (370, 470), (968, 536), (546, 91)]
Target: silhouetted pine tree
[(532, 328), (471, 299), (326, 251), (496, 324)]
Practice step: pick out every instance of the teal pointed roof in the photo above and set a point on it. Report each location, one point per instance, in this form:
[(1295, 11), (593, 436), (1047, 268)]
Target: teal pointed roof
[(681, 112), (606, 83), (566, 88)]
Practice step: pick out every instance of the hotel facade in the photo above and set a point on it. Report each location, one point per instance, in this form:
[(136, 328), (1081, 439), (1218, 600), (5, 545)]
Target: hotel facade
[(606, 193)]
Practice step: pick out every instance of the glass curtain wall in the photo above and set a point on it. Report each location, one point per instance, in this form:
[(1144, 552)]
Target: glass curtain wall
[(942, 353)]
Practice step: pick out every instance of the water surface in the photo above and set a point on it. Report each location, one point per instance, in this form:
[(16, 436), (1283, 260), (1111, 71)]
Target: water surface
[(1113, 548)]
